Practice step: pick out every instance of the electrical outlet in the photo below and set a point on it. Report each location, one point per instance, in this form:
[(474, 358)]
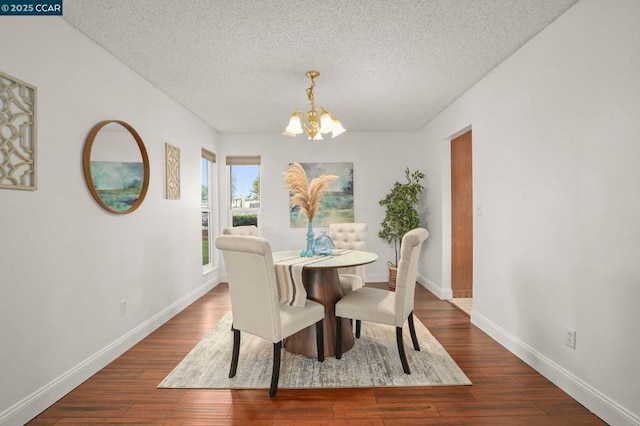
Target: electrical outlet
[(123, 306), (570, 338)]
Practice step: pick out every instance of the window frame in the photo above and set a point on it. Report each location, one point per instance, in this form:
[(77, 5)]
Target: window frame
[(241, 160), (209, 209)]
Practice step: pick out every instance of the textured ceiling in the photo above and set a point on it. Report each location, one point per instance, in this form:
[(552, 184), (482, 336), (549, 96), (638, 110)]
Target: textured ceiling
[(385, 65)]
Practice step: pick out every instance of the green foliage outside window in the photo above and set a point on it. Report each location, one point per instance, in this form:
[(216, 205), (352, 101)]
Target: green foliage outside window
[(205, 252), (255, 188), (245, 219)]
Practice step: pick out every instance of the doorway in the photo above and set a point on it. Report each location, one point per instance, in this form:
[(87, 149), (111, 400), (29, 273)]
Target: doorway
[(462, 220)]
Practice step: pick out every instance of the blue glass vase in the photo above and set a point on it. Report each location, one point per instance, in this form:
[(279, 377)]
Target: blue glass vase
[(323, 245), (309, 251)]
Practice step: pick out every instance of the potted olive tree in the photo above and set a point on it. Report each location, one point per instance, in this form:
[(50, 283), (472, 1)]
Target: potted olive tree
[(401, 215)]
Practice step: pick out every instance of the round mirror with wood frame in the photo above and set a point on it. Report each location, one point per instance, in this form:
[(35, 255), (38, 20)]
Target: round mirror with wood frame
[(116, 167)]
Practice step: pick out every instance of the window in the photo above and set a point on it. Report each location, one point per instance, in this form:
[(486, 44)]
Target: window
[(244, 190), (208, 223)]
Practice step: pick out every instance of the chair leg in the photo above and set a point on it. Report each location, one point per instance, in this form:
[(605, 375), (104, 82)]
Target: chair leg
[(275, 375), (235, 353), (338, 337), (403, 356), (320, 339), (412, 330), (358, 325)]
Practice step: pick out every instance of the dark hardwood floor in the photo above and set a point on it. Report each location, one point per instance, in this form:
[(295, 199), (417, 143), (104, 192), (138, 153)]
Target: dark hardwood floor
[(505, 390)]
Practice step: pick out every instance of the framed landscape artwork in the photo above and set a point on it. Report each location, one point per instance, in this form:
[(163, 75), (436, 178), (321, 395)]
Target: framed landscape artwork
[(337, 203), (116, 166), (117, 183)]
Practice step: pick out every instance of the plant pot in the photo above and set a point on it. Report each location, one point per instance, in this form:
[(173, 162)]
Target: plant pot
[(393, 273)]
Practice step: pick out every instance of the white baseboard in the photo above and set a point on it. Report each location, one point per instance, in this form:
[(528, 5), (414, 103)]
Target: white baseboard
[(441, 293), (37, 402), (594, 400)]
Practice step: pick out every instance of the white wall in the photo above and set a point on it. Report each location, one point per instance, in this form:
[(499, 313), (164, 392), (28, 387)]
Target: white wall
[(65, 264), (556, 154), (555, 151), (379, 159)]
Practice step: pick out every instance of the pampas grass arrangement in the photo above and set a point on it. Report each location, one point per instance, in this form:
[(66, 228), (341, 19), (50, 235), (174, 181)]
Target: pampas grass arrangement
[(306, 195)]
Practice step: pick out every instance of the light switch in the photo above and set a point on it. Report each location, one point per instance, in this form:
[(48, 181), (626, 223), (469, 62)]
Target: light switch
[(478, 209)]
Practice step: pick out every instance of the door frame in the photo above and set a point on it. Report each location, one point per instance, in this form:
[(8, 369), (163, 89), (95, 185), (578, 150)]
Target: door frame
[(446, 291), (462, 215)]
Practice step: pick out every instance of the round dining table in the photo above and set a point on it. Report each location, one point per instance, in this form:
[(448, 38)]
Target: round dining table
[(322, 284)]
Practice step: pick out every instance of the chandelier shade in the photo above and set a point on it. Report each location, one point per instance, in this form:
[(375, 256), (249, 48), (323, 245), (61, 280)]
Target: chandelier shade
[(317, 121)]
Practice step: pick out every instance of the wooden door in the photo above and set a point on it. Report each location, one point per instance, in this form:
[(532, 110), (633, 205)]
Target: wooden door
[(461, 217)]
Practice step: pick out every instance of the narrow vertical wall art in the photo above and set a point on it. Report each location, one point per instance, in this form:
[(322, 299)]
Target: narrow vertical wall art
[(172, 154), (17, 134)]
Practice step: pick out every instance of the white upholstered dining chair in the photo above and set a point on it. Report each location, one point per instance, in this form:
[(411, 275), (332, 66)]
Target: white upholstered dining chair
[(254, 301), (384, 306), (245, 231), (242, 230), (350, 236)]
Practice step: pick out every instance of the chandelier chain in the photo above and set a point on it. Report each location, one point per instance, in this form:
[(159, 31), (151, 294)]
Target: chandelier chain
[(310, 93)]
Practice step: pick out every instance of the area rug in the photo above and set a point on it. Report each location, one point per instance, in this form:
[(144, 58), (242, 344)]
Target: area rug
[(372, 362)]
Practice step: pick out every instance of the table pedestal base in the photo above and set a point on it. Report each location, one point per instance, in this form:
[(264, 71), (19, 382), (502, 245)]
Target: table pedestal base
[(323, 286)]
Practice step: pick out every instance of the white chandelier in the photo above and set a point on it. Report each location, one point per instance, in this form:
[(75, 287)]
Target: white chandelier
[(314, 127)]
